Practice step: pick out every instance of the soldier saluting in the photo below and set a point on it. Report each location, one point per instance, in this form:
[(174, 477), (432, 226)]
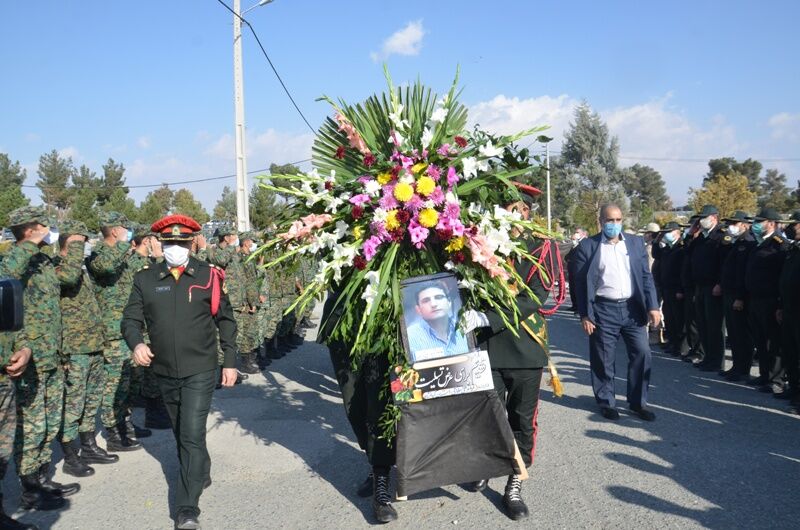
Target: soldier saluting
[(183, 302)]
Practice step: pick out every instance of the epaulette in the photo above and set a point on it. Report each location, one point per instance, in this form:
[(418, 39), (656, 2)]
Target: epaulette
[(777, 238), (727, 240)]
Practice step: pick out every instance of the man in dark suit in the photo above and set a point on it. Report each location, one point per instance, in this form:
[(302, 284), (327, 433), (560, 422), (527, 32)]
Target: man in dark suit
[(184, 304), (615, 295)]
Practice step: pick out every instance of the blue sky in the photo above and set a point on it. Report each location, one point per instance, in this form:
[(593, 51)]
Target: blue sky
[(149, 83)]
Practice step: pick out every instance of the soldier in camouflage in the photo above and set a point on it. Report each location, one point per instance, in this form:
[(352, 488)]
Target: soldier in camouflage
[(113, 275), (82, 343), (12, 365), (249, 339), (40, 390)]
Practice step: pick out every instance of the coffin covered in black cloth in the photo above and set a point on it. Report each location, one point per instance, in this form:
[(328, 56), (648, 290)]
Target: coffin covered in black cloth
[(453, 440)]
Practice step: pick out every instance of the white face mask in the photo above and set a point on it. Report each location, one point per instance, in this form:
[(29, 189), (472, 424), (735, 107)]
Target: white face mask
[(734, 230), (707, 223), (176, 255), (235, 242), (51, 238), (253, 247)]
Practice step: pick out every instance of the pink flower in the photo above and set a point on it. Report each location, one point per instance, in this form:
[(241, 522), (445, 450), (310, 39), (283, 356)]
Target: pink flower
[(406, 161), (434, 172), (371, 247), (363, 179), (482, 254), (356, 142), (305, 225), (437, 196), (379, 230), (388, 202), (452, 210), (444, 150), (415, 203), (452, 176), (418, 234), (359, 199)]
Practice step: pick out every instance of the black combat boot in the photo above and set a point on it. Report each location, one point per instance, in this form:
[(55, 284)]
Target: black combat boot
[(381, 500), (117, 439), (248, 364), (295, 340), (262, 359), (73, 465), (512, 500), (155, 415), (7, 523), (274, 350), (91, 453), (33, 497), (55, 488), (134, 432)]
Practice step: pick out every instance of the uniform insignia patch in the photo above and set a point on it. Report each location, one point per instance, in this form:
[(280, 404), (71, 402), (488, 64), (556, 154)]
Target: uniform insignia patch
[(176, 230), (162, 288)]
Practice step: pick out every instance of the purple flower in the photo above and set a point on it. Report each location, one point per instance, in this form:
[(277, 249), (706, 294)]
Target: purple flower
[(379, 230), (437, 196), (406, 161), (388, 202), (444, 150), (359, 199), (418, 234), (415, 203), (452, 176), (371, 247), (452, 210), (434, 172), (363, 179)]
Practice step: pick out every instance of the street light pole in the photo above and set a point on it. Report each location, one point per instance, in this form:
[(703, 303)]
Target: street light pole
[(242, 201), (547, 164)]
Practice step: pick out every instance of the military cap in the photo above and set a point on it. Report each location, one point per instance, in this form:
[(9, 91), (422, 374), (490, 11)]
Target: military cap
[(29, 214), (738, 217), (113, 219), (767, 214), (223, 230), (247, 234), (176, 228), (794, 218), (708, 209), (652, 227), (71, 228), (670, 226), (140, 230)]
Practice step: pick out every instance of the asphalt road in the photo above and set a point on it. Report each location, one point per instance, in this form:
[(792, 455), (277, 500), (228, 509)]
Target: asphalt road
[(719, 455)]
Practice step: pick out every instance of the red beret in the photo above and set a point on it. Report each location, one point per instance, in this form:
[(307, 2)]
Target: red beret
[(175, 227)]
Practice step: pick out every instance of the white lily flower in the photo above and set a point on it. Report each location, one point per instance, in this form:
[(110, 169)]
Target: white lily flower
[(439, 115), (372, 188), (333, 204), (371, 291), (396, 119), (449, 265), (396, 138), (380, 215), (427, 137), (341, 229), (489, 151), (475, 209), (466, 284), (470, 167)]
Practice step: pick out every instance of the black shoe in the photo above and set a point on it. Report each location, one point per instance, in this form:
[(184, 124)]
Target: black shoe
[(91, 453), (479, 485), (782, 395), (73, 465), (240, 377), (765, 389), (709, 368), (54, 488), (33, 497), (155, 415), (609, 413), (726, 373), (295, 340), (117, 440), (645, 414), (735, 377), (137, 432), (187, 520), (248, 364), (365, 489), (512, 500), (757, 381), (7, 523), (381, 500)]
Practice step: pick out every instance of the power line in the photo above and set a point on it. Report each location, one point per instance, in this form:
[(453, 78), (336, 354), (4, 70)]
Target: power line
[(160, 184), (275, 71)]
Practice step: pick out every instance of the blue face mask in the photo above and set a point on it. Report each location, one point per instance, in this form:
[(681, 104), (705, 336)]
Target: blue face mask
[(612, 230), (757, 229), (130, 235), (669, 237)]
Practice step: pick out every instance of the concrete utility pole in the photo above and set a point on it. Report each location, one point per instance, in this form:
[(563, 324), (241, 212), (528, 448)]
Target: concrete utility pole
[(242, 200), (547, 164)]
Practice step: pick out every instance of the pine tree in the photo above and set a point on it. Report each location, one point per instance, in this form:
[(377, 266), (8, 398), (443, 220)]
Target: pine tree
[(183, 202), (55, 173), (113, 179), (225, 209), (12, 176), (156, 205), (264, 209)]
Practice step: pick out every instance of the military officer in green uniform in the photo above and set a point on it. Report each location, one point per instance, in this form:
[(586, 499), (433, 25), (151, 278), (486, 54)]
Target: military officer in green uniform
[(12, 365), (517, 360), (40, 390), (789, 313), (183, 303), (113, 274), (82, 343)]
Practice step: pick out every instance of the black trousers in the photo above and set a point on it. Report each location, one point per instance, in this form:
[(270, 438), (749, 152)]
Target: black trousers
[(518, 388), (674, 321), (690, 325), (767, 339), (790, 331), (738, 326), (188, 400), (709, 315), (362, 402)]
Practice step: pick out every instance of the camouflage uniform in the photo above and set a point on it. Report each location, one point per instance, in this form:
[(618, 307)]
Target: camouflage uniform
[(286, 291), (306, 276), (113, 276), (226, 258), (83, 340), (143, 382), (249, 338), (40, 389)]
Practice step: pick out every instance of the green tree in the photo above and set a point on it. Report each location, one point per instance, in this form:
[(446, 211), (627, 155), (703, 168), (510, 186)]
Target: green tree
[(586, 173), (55, 173), (775, 193), (264, 208), (113, 179), (120, 202), (156, 205), (285, 169), (83, 207), (646, 191), (750, 168), (12, 176), (727, 192), (225, 209), (183, 202)]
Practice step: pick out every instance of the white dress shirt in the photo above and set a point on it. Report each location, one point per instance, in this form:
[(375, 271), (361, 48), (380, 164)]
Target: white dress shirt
[(614, 280)]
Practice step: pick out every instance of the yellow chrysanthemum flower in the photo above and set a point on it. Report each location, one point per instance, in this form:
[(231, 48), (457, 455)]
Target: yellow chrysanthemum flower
[(403, 192), (455, 244), (425, 186), (391, 220), (384, 178), (357, 232), (428, 217), (418, 168)]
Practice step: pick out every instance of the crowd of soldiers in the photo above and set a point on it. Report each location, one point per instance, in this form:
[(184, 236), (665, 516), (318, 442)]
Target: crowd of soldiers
[(733, 279), (69, 362)]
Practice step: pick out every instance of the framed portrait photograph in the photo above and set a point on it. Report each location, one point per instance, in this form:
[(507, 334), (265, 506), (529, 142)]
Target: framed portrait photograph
[(431, 305)]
